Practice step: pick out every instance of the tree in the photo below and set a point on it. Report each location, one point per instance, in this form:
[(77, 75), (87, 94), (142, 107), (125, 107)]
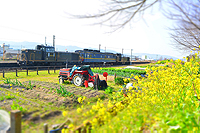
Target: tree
[(118, 13), (186, 32)]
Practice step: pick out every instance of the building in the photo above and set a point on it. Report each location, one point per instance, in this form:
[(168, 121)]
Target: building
[(9, 52)]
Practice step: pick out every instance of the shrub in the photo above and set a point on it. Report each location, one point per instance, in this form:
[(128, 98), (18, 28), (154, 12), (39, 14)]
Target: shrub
[(109, 90), (119, 81)]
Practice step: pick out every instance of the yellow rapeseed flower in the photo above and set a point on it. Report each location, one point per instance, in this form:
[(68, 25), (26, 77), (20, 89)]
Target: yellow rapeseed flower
[(64, 113), (79, 110), (80, 99)]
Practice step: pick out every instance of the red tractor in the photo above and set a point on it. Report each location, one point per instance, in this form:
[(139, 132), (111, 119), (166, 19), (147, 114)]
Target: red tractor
[(81, 76)]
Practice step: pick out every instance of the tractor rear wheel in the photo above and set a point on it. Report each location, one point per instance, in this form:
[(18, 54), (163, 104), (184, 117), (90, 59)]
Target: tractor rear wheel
[(96, 82), (78, 79)]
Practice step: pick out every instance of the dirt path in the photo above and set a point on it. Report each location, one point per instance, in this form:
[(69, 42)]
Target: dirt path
[(41, 101)]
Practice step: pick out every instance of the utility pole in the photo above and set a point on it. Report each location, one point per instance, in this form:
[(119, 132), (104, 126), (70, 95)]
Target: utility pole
[(122, 51), (99, 47), (105, 49), (54, 41), (3, 51), (45, 41), (131, 57)]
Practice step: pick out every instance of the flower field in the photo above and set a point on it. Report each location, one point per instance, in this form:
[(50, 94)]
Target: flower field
[(167, 100)]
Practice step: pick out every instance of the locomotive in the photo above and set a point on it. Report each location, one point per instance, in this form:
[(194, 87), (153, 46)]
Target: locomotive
[(47, 56), (88, 56)]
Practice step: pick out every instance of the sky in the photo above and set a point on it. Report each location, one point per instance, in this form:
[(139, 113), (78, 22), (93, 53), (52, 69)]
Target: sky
[(33, 20)]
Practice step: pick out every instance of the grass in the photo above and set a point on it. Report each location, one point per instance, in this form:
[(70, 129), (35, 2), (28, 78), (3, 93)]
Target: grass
[(32, 74), (40, 108)]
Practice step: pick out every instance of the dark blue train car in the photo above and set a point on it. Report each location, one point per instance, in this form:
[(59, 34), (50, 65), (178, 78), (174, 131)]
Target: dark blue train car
[(47, 56), (89, 56)]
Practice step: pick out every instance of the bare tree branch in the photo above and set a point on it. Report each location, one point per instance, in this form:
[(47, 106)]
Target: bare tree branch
[(119, 13), (186, 33)]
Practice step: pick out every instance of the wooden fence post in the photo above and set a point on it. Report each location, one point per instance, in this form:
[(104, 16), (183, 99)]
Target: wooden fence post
[(27, 71), (45, 128), (54, 69), (48, 71), (115, 77), (3, 74), (15, 121), (37, 70), (16, 73)]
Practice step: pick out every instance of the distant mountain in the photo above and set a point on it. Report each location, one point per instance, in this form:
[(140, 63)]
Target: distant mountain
[(20, 45), (31, 45), (155, 56)]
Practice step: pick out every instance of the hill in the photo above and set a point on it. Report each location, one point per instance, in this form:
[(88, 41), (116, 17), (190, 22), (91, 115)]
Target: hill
[(31, 45)]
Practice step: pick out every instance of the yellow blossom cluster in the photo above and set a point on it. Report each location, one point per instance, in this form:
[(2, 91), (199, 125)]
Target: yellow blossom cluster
[(81, 99)]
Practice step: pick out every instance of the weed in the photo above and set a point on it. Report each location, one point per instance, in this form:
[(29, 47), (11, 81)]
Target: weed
[(16, 83), (50, 103), (119, 81), (16, 106), (6, 80), (1, 98), (30, 86), (68, 82), (9, 97), (63, 92), (109, 90), (6, 97)]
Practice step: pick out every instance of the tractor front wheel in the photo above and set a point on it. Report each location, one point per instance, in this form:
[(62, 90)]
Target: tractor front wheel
[(78, 79), (61, 80)]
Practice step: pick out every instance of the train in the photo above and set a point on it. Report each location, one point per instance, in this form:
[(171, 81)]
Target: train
[(44, 55)]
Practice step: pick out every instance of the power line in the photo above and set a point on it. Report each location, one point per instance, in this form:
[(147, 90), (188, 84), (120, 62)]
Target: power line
[(81, 42)]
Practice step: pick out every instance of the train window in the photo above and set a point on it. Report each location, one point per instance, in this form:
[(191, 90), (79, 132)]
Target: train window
[(51, 54), (49, 49)]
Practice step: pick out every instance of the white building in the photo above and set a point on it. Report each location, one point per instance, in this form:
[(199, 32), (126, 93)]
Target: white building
[(9, 52)]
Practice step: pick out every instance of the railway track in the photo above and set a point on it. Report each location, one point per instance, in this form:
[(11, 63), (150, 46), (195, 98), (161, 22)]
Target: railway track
[(15, 65)]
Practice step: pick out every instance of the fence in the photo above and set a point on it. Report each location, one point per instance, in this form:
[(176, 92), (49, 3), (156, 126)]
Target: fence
[(38, 68), (28, 69)]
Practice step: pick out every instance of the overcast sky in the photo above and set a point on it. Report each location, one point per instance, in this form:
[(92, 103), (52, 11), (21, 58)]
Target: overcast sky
[(32, 20)]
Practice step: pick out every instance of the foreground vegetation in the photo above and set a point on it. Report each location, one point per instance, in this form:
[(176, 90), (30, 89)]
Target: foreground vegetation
[(166, 99)]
